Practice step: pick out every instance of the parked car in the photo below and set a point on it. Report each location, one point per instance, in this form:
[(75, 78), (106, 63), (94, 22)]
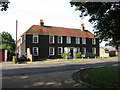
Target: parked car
[(88, 54), (21, 58)]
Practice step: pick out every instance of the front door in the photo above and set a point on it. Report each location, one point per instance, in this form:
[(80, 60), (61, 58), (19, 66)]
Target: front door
[(71, 51)]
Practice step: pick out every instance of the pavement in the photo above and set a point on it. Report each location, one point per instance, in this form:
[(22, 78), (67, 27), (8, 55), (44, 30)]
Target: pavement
[(52, 75)]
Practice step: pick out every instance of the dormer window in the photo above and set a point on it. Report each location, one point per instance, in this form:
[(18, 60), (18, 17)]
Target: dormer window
[(35, 38), (51, 39), (59, 39)]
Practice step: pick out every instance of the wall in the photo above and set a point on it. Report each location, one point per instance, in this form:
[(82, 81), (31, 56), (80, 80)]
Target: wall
[(44, 45)]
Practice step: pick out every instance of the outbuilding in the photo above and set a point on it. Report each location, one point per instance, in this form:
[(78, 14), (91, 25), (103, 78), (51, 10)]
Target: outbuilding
[(3, 55)]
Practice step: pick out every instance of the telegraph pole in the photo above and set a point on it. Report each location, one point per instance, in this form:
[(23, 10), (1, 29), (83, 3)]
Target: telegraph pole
[(16, 42)]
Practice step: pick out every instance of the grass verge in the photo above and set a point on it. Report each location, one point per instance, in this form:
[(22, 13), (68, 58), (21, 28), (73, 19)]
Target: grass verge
[(105, 77), (71, 60)]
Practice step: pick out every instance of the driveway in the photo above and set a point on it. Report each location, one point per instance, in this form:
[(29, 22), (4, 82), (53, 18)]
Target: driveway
[(37, 75)]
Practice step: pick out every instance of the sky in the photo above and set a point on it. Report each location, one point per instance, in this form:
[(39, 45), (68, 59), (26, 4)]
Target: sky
[(57, 13)]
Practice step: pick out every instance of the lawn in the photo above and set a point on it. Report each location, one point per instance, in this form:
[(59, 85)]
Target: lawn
[(70, 60), (105, 77)]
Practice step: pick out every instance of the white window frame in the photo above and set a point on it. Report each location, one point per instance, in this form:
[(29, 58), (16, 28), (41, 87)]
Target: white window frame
[(37, 51), (68, 39), (61, 39), (34, 36), (53, 51), (52, 40), (83, 50), (94, 50), (83, 40), (78, 49), (93, 40), (77, 40), (61, 50)]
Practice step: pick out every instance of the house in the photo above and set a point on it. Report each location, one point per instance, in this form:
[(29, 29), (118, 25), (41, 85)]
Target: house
[(3, 55), (49, 41), (108, 52)]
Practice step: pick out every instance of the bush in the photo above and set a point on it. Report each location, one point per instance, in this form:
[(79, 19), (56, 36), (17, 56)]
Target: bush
[(66, 55), (78, 55)]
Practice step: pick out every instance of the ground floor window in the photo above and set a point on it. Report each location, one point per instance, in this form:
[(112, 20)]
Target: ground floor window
[(35, 51), (78, 50), (60, 50), (51, 51), (84, 50), (94, 50)]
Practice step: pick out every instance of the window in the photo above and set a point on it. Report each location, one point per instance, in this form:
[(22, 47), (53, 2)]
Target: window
[(68, 39), (35, 38), (93, 41), (51, 39), (77, 40), (51, 51), (83, 40), (21, 40), (83, 50), (35, 51), (78, 50), (59, 39), (60, 50), (94, 50)]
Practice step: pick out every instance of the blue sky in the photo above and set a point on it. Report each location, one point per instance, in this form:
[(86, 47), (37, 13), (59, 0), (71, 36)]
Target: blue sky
[(52, 12)]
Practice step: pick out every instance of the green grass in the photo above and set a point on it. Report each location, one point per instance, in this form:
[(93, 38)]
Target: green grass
[(71, 60), (106, 77)]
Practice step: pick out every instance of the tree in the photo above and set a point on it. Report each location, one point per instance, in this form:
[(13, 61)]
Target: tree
[(106, 19), (6, 42), (4, 5)]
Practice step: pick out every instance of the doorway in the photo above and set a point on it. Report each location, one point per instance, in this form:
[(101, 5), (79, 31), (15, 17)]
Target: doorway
[(71, 51)]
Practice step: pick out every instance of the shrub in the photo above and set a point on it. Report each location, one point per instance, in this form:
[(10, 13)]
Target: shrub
[(78, 55), (66, 55)]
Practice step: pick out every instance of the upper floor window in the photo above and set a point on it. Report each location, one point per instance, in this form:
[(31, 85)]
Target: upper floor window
[(51, 39), (51, 51), (68, 39), (35, 51), (94, 50), (83, 40), (59, 39), (35, 38), (77, 40), (93, 41), (60, 50)]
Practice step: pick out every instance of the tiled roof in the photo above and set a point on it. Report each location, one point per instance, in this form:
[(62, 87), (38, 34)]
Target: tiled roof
[(51, 30)]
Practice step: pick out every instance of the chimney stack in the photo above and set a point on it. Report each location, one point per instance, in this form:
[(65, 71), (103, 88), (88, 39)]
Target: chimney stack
[(82, 27), (41, 23)]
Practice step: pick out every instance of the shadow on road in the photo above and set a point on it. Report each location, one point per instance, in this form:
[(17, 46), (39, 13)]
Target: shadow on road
[(46, 77)]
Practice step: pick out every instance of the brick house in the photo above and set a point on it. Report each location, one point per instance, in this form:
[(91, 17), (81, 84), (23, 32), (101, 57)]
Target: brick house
[(49, 41)]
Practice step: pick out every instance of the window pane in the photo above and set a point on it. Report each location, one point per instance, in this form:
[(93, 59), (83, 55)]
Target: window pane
[(51, 39)]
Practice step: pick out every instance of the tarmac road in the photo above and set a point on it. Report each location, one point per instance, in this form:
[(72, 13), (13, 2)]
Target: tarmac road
[(24, 69), (52, 75)]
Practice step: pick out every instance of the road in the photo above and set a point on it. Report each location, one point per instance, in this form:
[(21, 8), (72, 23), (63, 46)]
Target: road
[(24, 69), (52, 75)]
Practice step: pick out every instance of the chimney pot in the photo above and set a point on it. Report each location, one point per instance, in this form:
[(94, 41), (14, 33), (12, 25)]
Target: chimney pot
[(82, 27), (41, 23)]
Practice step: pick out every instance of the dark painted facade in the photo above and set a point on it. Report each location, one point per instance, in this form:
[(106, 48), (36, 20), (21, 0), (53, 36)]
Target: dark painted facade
[(43, 45)]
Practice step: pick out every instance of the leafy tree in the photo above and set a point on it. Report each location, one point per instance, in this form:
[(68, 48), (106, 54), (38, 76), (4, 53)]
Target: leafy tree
[(106, 19), (6, 42), (4, 5)]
